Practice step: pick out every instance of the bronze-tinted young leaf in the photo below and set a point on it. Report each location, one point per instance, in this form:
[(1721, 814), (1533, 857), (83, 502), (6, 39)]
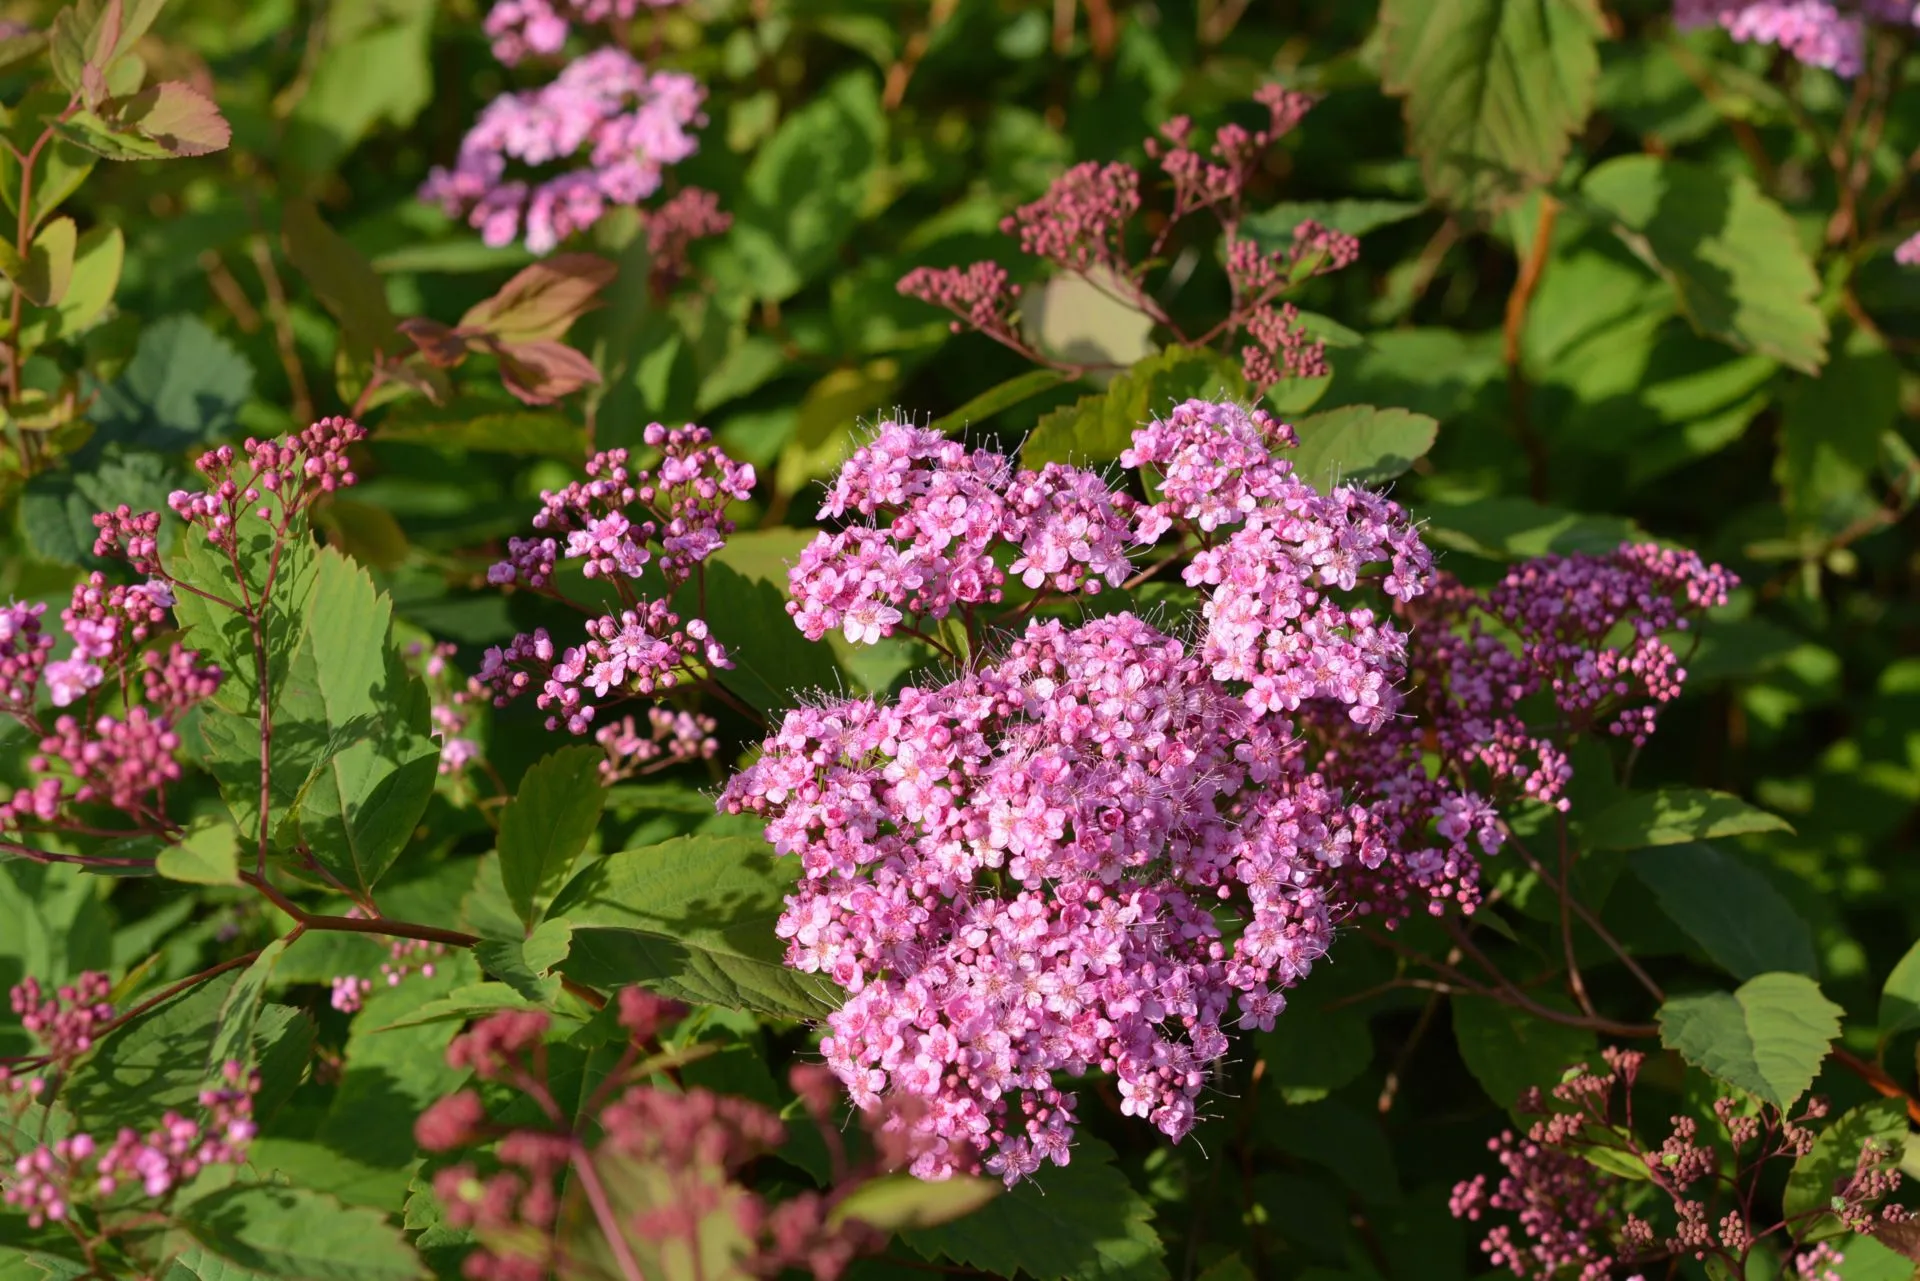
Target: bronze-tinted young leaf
[(541, 372), (542, 301), (175, 117)]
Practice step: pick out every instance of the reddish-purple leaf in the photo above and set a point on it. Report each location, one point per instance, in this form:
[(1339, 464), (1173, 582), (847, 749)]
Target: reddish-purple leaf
[(442, 346), (541, 372)]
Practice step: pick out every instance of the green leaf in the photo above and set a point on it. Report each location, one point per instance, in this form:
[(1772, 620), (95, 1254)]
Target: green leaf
[(372, 70), (57, 507), (1819, 1175), (526, 965), (1509, 528), (394, 1073), (49, 266), (1231, 1268), (1606, 1149), (691, 918), (805, 189), (1096, 429), (1768, 1038), (1728, 908), (156, 1061), (1675, 816), (474, 1001), (1360, 445), (1830, 435), (774, 666), (1078, 1222), (999, 398), (834, 415), (340, 277), (514, 431), (103, 138), (183, 387), (1494, 89), (1900, 995), (207, 854), (97, 260), (1509, 1050), (547, 824), (1273, 227), (901, 1202), (1732, 255), (297, 1235), (233, 1038), (357, 720)]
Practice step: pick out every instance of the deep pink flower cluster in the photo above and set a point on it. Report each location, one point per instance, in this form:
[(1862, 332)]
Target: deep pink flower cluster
[(935, 512), (612, 125), (1820, 33), (275, 480), (1085, 226), (523, 28), (64, 1021), (1570, 1211), (92, 756), (663, 1161), (46, 1182), (618, 523), (669, 739)]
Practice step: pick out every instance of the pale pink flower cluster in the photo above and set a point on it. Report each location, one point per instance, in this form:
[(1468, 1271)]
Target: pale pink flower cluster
[(618, 523), (48, 1181), (523, 28), (405, 957), (452, 702), (934, 514), (1820, 33), (1908, 253), (1015, 875), (612, 126)]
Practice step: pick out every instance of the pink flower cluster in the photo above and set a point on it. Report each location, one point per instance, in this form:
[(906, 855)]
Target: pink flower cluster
[(282, 476), (935, 511), (1571, 1211), (46, 1182), (670, 738), (523, 28), (612, 126), (1029, 872), (1908, 252), (660, 1163), (64, 1021), (406, 957), (1820, 33), (1015, 875), (92, 756), (451, 707), (618, 523), (1084, 226)]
